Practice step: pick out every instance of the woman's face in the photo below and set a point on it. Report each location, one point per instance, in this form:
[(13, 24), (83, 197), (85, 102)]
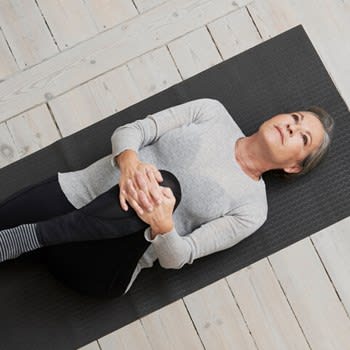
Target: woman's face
[(290, 137)]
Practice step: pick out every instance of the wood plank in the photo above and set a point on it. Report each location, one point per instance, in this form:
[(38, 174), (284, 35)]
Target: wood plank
[(115, 90), (8, 150), (234, 33), (69, 21), (26, 134), (217, 318), (120, 90), (106, 51), (171, 328), (129, 337), (194, 52), (75, 110), (8, 63), (312, 297), (326, 23), (265, 308), (26, 32), (153, 72), (107, 14), (333, 247), (91, 346), (145, 5), (33, 130)]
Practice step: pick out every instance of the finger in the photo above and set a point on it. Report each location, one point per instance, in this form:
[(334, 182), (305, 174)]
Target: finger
[(167, 192), (122, 200), (146, 204), (131, 189), (144, 201), (144, 184), (154, 188), (157, 174), (136, 207), (141, 181)]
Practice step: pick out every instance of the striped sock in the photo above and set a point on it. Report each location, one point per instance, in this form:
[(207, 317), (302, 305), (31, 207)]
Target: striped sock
[(18, 240)]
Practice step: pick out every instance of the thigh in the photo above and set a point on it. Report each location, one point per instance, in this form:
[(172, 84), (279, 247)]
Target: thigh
[(102, 218), (33, 203)]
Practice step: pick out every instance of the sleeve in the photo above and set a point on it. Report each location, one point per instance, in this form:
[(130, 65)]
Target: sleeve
[(143, 132), (174, 251)]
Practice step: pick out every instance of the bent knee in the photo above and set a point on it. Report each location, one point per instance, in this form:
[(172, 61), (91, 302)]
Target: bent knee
[(170, 180)]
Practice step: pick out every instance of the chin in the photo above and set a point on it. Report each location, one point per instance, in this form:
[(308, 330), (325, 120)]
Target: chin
[(270, 143), (270, 136)]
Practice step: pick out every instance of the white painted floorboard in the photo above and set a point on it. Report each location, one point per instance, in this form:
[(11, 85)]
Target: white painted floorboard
[(65, 65)]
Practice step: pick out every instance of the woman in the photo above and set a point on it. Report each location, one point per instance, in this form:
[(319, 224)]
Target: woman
[(222, 198)]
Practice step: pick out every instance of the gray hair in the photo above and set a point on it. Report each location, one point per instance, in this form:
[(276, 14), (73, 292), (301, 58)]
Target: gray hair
[(314, 158)]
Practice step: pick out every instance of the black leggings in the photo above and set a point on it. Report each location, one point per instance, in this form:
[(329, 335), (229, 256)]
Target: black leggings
[(34, 203), (94, 249)]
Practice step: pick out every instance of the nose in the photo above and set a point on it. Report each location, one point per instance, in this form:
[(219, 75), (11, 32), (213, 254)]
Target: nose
[(292, 128)]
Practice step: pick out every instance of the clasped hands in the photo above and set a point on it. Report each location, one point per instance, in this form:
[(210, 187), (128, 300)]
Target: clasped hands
[(154, 204)]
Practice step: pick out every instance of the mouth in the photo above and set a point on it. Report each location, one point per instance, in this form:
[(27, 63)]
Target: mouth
[(280, 132)]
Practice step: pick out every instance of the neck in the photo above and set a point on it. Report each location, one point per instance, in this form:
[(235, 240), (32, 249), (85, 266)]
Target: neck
[(250, 156)]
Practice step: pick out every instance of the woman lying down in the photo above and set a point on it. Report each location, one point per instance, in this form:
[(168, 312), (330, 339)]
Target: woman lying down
[(179, 184)]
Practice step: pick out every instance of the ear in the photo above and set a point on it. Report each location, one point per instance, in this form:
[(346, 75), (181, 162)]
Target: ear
[(294, 169)]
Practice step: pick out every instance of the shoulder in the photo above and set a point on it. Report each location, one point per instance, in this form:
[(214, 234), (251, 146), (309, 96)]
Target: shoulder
[(210, 103), (209, 100), (214, 104), (220, 111)]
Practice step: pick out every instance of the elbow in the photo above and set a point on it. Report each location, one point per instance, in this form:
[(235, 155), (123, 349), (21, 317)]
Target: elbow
[(262, 222), (112, 139), (175, 265)]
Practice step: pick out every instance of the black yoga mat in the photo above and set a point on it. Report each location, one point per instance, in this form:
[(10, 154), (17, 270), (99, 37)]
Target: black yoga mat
[(279, 75)]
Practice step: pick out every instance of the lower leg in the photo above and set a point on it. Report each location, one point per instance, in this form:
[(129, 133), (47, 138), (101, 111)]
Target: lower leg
[(20, 212)]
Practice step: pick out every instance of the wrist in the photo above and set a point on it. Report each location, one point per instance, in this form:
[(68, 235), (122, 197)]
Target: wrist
[(161, 228), (126, 157)]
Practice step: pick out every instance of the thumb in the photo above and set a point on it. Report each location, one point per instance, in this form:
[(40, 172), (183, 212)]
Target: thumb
[(158, 175), (167, 192)]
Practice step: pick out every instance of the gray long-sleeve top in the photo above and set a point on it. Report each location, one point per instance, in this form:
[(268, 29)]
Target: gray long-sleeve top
[(220, 204)]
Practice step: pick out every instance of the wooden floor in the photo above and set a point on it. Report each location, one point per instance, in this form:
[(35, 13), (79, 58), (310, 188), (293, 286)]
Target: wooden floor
[(67, 64)]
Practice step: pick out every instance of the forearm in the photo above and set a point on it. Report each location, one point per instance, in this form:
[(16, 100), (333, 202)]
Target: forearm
[(172, 250)]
